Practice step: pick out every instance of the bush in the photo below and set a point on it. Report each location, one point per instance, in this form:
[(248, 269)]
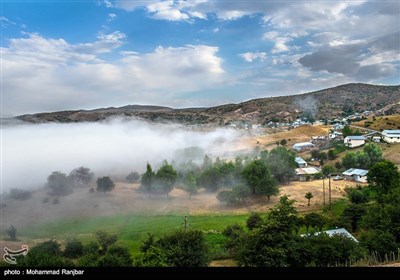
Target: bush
[(73, 249), (12, 233), (133, 177), (254, 221), (228, 197), (19, 194)]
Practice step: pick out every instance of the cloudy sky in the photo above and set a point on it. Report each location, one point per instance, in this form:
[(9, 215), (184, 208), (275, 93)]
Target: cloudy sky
[(58, 55)]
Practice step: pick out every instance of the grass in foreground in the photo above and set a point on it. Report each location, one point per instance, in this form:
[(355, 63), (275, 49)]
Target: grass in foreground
[(131, 229)]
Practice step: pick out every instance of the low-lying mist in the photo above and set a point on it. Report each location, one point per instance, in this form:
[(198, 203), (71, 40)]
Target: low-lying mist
[(30, 152)]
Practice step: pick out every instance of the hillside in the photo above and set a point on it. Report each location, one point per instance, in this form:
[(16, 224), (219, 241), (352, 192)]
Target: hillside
[(328, 103), (380, 123)]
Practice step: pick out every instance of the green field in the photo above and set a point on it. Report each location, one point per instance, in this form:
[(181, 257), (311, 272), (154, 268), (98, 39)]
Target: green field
[(131, 229)]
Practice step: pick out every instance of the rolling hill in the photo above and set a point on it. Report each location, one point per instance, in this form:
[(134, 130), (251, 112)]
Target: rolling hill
[(327, 103)]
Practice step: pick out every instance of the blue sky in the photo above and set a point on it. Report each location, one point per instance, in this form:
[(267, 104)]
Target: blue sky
[(58, 55)]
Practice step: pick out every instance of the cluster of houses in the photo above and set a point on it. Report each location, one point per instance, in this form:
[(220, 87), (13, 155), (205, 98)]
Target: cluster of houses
[(388, 136), (304, 171)]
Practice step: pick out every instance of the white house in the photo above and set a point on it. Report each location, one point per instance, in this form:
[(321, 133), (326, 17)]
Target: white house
[(300, 162), (391, 136), (358, 175), (303, 146), (354, 141), (302, 173)]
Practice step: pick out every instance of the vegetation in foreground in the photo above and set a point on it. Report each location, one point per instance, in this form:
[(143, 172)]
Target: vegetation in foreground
[(271, 240)]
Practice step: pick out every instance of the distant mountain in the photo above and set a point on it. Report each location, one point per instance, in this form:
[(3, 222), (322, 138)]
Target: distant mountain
[(328, 103)]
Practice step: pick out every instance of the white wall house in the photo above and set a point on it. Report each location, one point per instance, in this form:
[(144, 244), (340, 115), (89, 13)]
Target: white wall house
[(302, 173), (300, 162), (355, 174), (303, 146), (391, 136), (354, 141)]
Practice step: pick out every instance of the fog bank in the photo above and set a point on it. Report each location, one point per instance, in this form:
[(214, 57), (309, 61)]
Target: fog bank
[(30, 152)]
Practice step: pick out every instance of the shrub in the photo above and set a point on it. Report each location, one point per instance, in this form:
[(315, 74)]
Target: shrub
[(19, 194)]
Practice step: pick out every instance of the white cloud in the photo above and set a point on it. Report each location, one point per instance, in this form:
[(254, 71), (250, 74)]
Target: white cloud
[(104, 44), (111, 17), (280, 41), (167, 10), (250, 57), (51, 74), (4, 22)]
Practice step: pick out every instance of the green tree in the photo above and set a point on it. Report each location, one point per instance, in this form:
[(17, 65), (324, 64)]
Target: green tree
[(177, 249), (166, 177), (308, 196), (315, 154), (207, 162), (283, 142), (81, 176), (357, 196), (383, 177), (148, 177), (228, 197), (73, 249), (314, 220), (322, 156), (45, 254), (263, 247), (210, 178), (284, 214), (353, 214), (133, 177), (328, 169), (374, 153), (105, 184), (331, 155), (347, 131), (241, 191), (258, 177), (59, 184), (12, 233), (191, 185), (282, 164), (350, 160), (254, 221), (105, 239), (116, 256), (153, 257), (379, 242)]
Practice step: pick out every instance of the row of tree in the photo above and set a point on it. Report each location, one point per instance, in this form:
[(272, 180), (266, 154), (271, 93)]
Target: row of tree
[(240, 178)]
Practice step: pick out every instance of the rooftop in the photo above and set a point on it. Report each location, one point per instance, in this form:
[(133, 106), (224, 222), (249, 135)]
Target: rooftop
[(300, 160), (307, 171), (394, 131), (303, 144), (355, 171), (356, 137)]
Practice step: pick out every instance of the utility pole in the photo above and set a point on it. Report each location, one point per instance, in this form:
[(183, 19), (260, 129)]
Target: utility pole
[(323, 190), (185, 223), (330, 194)]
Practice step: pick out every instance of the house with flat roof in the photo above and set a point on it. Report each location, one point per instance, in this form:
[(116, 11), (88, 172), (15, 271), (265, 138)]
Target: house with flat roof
[(355, 174), (303, 146), (354, 141), (391, 136), (303, 173)]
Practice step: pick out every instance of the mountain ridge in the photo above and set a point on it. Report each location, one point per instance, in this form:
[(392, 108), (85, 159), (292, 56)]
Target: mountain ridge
[(322, 104)]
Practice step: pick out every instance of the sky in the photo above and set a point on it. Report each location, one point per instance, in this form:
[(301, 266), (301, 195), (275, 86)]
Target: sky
[(61, 55)]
